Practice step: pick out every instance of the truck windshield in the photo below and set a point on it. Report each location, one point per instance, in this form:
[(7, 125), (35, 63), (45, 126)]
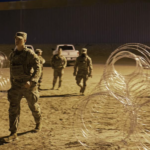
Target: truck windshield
[(29, 47), (66, 47)]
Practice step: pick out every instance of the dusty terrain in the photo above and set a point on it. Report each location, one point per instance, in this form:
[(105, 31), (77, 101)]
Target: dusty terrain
[(58, 109)]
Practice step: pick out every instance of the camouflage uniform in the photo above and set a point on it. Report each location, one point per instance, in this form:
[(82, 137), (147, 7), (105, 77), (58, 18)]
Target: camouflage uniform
[(58, 63), (84, 65), (42, 61), (21, 63)]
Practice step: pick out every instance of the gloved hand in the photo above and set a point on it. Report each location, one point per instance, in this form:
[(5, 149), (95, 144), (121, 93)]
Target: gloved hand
[(74, 74), (28, 84), (90, 75)]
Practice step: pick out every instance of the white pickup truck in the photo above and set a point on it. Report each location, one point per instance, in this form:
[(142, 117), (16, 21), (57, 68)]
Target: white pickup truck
[(68, 51), (28, 46)]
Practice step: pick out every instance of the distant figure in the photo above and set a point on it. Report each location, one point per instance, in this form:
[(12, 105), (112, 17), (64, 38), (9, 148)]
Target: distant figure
[(42, 61), (58, 63), (83, 69), (23, 83)]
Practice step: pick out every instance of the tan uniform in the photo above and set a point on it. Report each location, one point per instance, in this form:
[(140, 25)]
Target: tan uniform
[(83, 67), (21, 64), (58, 63)]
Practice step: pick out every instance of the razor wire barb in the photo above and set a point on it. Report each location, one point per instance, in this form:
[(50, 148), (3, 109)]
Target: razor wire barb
[(117, 114)]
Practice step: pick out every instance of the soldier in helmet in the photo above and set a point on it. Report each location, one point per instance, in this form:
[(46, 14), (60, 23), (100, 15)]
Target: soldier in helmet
[(83, 69), (23, 83), (42, 61), (58, 63)]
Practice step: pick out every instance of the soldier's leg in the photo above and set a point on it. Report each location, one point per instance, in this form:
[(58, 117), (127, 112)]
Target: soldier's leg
[(32, 97), (55, 78), (84, 84), (60, 81), (78, 81), (40, 80), (14, 97), (60, 77)]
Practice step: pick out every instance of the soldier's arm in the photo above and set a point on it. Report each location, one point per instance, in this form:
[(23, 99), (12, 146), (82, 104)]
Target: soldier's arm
[(9, 58), (75, 66), (35, 63), (65, 62), (43, 60), (52, 61), (90, 67)]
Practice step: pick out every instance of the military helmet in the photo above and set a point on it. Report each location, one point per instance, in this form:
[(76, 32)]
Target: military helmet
[(38, 51), (83, 51), (21, 35)]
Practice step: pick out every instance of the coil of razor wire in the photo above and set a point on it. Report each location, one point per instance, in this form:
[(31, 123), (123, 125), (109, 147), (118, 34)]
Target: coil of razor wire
[(117, 113), (4, 74)]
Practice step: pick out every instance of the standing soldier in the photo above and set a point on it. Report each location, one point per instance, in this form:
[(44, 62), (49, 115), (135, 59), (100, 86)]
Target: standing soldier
[(23, 83), (58, 63), (84, 65), (42, 61)]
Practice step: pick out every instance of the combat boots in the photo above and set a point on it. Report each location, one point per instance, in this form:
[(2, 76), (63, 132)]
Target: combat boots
[(39, 87), (12, 137), (59, 87), (82, 91), (38, 127), (54, 82)]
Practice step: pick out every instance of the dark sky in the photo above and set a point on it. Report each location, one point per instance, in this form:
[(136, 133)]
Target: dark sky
[(101, 23), (8, 0)]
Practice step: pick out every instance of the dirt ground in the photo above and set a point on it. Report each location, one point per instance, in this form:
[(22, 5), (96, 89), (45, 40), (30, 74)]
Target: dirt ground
[(58, 108)]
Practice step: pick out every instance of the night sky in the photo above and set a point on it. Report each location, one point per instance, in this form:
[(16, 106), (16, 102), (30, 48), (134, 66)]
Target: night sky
[(102, 23), (8, 0)]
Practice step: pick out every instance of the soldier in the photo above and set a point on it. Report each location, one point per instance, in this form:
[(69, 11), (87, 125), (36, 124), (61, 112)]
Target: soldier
[(23, 83), (58, 63), (42, 61), (84, 65)]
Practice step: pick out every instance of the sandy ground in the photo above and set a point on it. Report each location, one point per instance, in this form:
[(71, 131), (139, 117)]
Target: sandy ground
[(58, 108)]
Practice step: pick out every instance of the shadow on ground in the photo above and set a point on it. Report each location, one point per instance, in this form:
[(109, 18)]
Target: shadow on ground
[(64, 95), (19, 134)]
